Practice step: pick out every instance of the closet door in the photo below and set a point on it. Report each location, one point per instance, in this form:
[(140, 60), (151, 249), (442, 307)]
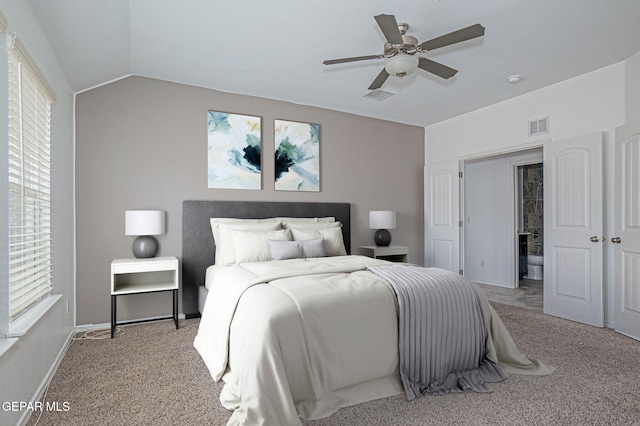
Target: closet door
[(627, 230), (441, 209), (573, 246)]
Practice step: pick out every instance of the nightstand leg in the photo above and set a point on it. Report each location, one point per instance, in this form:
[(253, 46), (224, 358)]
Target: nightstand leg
[(113, 315), (175, 307)]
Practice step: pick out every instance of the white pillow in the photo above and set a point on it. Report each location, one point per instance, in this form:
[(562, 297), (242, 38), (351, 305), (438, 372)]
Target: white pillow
[(253, 246), (305, 219), (225, 250), (333, 241), (306, 226), (216, 221), (326, 219), (282, 250)]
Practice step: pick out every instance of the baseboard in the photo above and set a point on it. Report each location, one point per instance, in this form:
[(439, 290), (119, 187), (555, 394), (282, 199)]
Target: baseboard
[(47, 379), (107, 325)]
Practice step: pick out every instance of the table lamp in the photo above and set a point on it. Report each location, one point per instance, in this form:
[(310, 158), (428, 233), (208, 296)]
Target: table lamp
[(144, 224), (382, 220)]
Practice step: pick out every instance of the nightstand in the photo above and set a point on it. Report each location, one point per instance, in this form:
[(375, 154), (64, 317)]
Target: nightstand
[(134, 276), (391, 253)]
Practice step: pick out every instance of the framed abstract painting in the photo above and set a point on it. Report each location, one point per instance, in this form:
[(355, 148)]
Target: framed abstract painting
[(233, 151), (297, 156)]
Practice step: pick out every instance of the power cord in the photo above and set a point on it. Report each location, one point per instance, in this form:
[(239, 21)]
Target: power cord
[(98, 334)]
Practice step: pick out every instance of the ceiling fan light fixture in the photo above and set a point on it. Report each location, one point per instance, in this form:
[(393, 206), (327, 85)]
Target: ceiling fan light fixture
[(401, 65)]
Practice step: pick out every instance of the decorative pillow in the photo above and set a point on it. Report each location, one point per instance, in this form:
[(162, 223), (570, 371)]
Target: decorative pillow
[(306, 226), (332, 238), (313, 248), (282, 250), (225, 251), (253, 246)]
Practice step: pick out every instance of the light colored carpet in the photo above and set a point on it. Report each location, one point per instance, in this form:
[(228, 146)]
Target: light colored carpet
[(152, 375)]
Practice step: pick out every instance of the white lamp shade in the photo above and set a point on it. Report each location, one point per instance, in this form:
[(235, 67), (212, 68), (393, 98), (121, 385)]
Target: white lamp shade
[(382, 219), (401, 65), (144, 222)]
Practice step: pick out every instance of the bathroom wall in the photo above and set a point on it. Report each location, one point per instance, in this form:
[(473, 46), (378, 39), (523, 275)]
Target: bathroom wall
[(532, 207)]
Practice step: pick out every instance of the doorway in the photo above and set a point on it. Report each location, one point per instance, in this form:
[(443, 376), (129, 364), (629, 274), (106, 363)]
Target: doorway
[(503, 204), (573, 190)]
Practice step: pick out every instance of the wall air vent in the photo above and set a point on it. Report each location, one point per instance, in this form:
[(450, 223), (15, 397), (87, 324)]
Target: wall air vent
[(377, 95), (539, 126)]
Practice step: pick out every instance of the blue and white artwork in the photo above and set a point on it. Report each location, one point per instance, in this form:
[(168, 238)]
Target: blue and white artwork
[(233, 150), (297, 156)]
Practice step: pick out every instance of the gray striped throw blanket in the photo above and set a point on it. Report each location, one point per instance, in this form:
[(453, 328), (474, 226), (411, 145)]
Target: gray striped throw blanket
[(442, 333)]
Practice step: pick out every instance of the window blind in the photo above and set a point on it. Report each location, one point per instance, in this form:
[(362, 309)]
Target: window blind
[(29, 143)]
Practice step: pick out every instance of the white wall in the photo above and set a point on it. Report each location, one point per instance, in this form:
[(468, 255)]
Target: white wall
[(632, 87), (588, 103), (25, 366)]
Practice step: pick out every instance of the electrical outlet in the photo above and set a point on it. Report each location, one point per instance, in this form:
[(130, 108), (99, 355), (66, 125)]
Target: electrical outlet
[(482, 263), (67, 306)]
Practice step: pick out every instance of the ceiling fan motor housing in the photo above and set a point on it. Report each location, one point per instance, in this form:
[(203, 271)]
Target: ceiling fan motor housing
[(409, 46)]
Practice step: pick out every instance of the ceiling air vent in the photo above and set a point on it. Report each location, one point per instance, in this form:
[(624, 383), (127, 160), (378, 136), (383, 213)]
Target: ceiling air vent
[(377, 95), (539, 126)]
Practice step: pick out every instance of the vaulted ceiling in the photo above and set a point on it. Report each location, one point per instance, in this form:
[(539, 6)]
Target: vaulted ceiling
[(275, 49)]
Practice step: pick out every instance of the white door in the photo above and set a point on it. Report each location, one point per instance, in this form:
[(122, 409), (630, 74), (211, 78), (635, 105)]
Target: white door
[(573, 246), (627, 230), (442, 206)]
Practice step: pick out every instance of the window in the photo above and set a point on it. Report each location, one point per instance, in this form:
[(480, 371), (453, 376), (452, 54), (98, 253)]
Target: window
[(29, 154)]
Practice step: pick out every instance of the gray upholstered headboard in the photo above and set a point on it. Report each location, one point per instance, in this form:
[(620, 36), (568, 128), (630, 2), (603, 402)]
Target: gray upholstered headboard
[(198, 248)]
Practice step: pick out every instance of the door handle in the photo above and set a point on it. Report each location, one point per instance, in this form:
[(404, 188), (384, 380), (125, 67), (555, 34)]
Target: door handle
[(616, 240), (594, 239)]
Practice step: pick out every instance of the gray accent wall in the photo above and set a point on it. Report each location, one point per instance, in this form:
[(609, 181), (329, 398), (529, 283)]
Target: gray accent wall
[(142, 144)]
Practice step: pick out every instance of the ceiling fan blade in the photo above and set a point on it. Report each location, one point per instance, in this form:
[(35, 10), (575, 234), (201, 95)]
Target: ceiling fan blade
[(436, 68), (380, 79), (353, 59), (463, 34), (389, 27)]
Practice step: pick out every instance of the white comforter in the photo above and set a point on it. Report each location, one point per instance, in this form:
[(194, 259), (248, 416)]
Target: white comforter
[(304, 337)]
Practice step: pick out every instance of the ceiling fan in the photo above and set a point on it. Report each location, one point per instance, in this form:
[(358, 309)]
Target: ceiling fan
[(400, 50)]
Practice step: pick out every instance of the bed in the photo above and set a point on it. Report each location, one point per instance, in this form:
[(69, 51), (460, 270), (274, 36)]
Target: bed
[(318, 329)]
